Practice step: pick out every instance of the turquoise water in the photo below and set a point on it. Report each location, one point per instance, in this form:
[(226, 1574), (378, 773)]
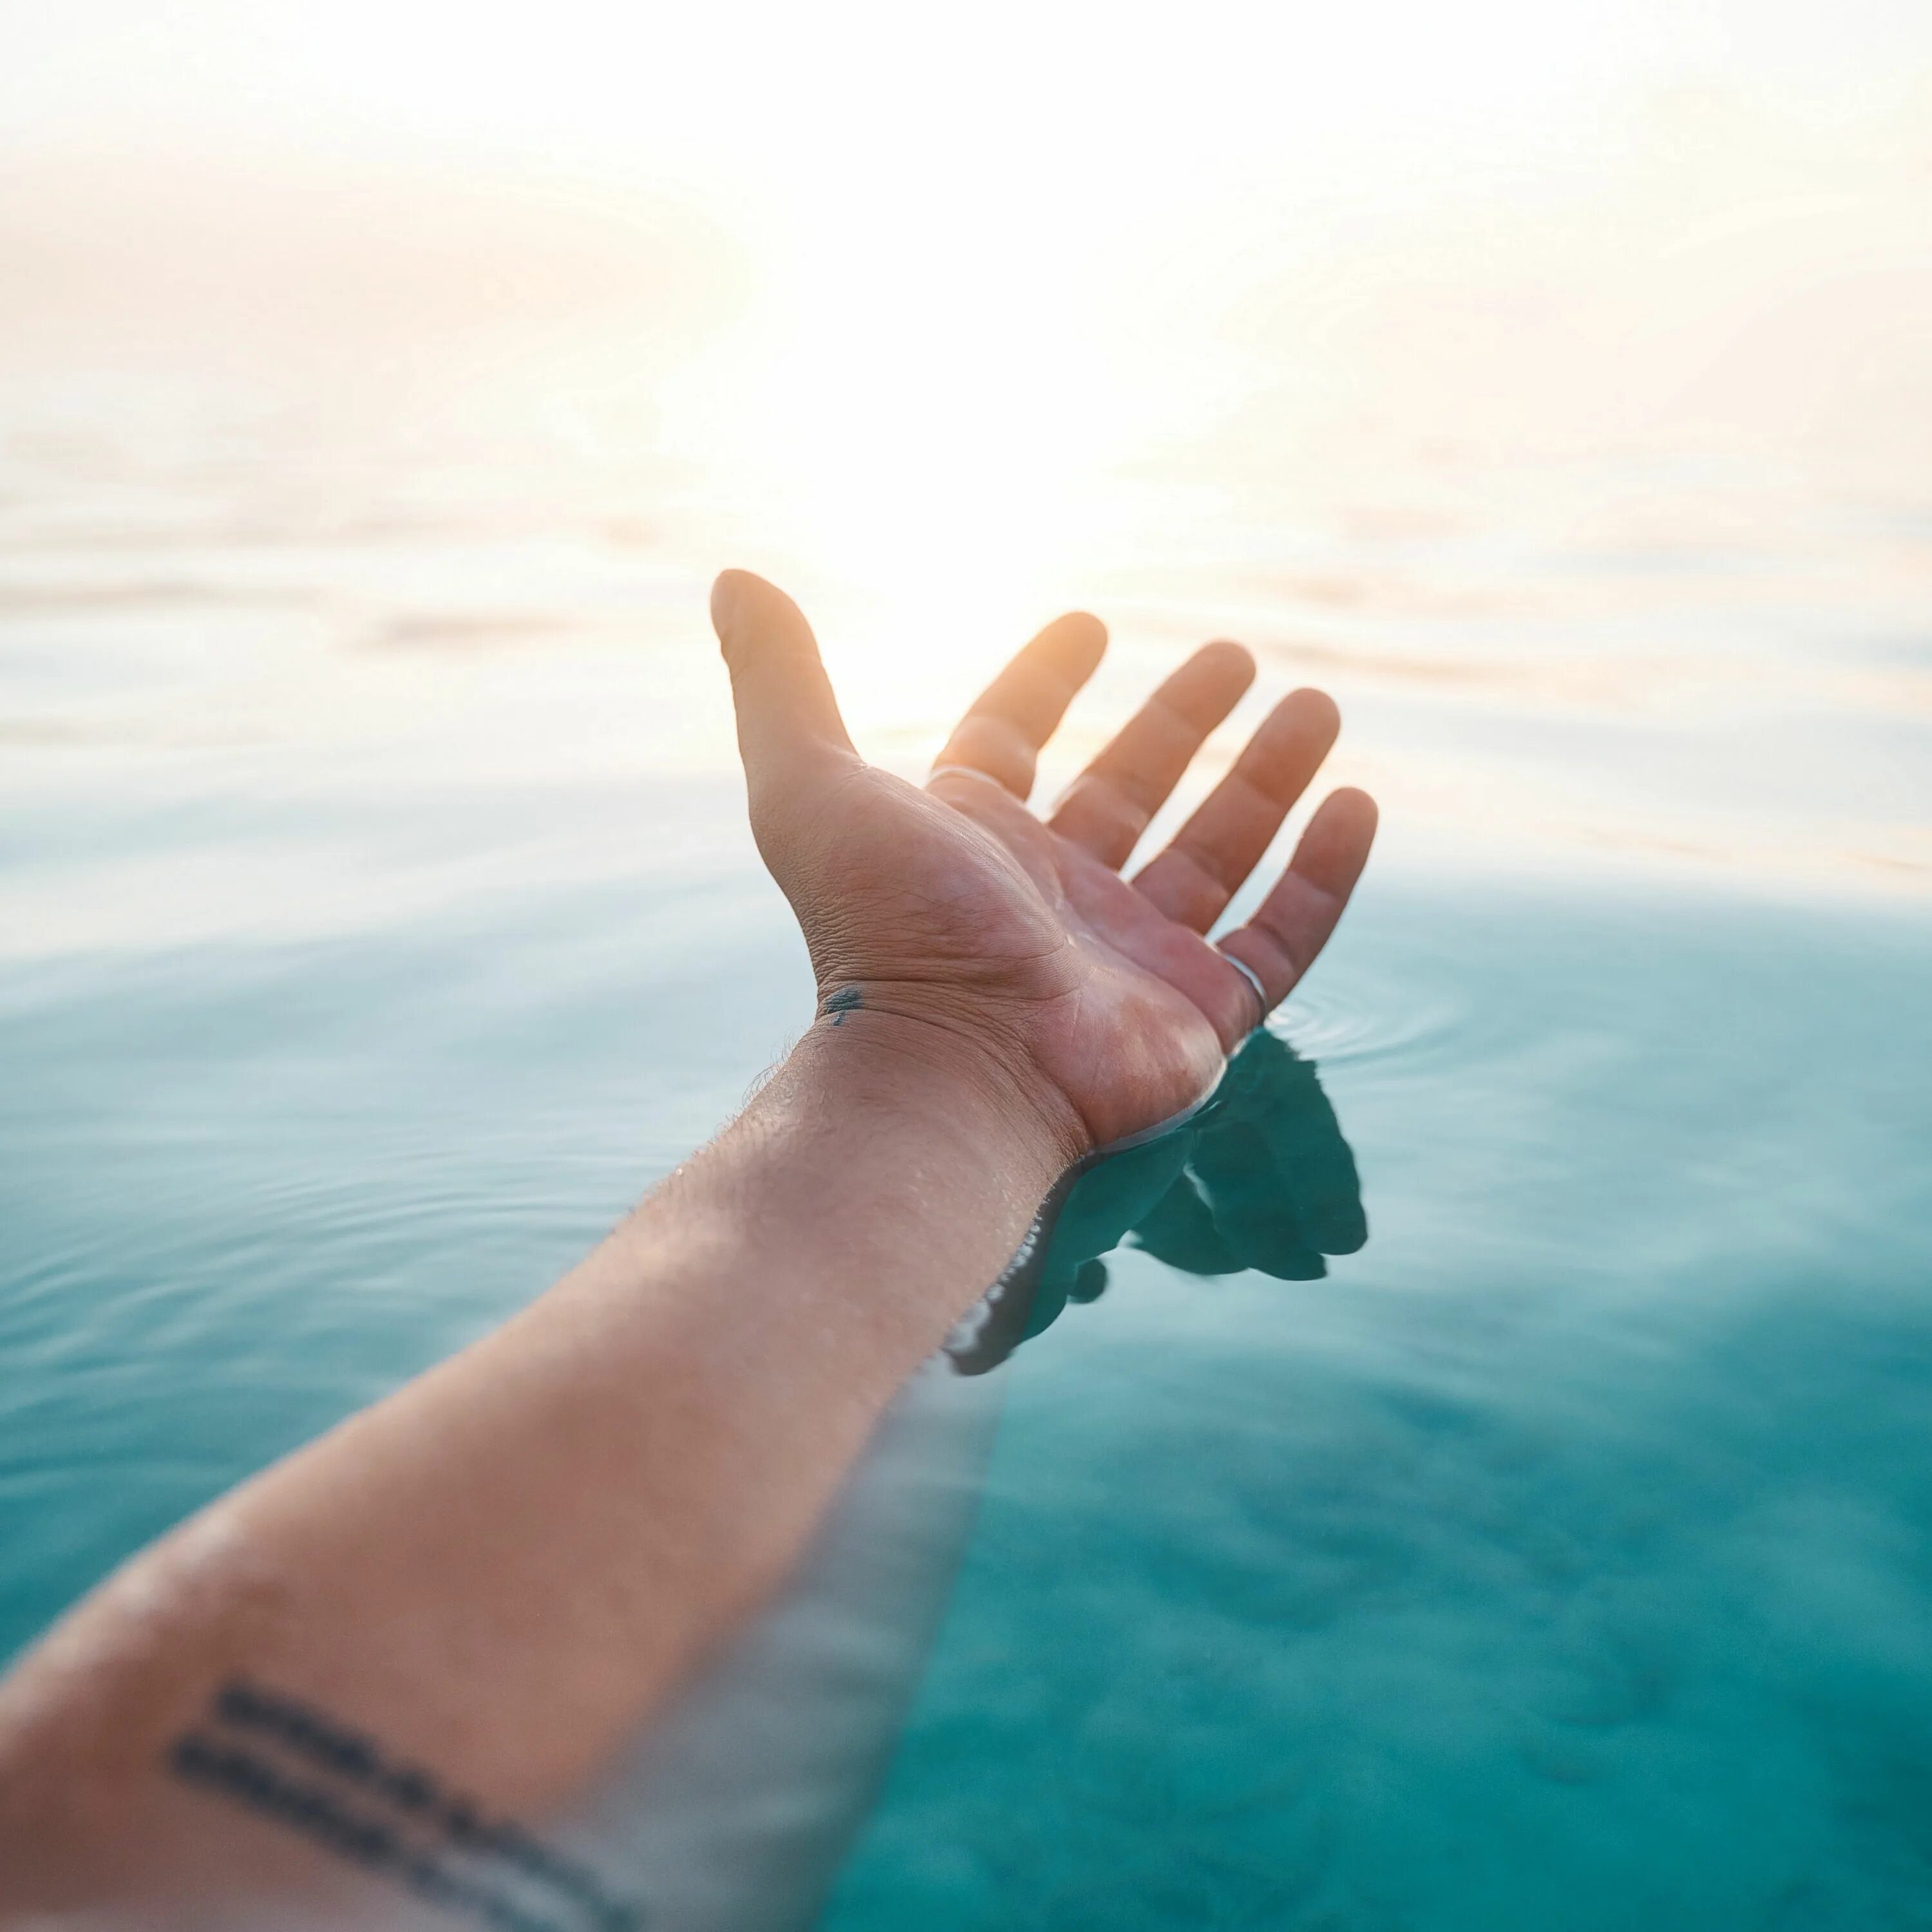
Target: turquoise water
[(1563, 1558), (1562, 1555)]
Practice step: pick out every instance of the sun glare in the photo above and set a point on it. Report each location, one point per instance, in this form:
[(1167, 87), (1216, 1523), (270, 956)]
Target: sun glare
[(949, 321)]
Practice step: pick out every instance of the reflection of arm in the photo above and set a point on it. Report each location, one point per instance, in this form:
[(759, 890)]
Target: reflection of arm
[(495, 1574), (737, 1810), (1259, 1177), (1271, 1175)]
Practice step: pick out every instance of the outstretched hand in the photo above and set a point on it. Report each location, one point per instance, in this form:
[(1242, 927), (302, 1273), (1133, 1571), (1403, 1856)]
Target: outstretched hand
[(1009, 947)]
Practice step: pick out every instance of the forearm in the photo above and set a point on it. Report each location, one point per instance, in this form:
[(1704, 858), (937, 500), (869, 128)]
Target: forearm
[(498, 1572)]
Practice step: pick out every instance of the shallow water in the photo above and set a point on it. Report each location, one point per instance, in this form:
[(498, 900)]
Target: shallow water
[(1564, 1554)]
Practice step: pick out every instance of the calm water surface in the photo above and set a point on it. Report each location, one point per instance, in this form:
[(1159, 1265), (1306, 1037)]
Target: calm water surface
[(376, 921)]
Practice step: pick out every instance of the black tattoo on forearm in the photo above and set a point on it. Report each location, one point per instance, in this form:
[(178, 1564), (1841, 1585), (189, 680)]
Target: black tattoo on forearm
[(285, 1760)]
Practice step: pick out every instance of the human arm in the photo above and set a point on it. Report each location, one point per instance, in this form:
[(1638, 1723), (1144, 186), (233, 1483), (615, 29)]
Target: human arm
[(497, 1574)]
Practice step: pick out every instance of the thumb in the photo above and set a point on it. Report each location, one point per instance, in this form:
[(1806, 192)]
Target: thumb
[(787, 718)]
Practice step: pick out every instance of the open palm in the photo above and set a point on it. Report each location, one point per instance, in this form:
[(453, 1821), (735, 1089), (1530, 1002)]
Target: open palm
[(982, 931)]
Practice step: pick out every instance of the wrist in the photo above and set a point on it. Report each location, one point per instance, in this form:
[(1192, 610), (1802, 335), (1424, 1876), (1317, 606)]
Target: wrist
[(972, 1075), (883, 1176)]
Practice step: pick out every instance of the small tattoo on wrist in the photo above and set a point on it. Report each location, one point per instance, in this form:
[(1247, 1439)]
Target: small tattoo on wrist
[(847, 999)]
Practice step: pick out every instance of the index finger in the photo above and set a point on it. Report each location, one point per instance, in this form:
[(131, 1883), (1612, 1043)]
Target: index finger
[(1002, 731)]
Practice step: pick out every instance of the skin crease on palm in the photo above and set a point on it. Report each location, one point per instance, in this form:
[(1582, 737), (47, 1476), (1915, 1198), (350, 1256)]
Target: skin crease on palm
[(1012, 946)]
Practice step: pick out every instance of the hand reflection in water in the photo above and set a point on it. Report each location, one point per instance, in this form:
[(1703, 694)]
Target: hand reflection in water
[(1259, 1177)]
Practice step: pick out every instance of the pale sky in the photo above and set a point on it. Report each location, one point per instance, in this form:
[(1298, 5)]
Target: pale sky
[(949, 318)]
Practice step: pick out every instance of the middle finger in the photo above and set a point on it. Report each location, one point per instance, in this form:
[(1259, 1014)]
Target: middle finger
[(1107, 808), (1193, 880)]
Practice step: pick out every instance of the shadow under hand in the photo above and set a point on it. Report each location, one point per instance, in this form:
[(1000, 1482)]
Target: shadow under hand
[(1259, 1177)]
